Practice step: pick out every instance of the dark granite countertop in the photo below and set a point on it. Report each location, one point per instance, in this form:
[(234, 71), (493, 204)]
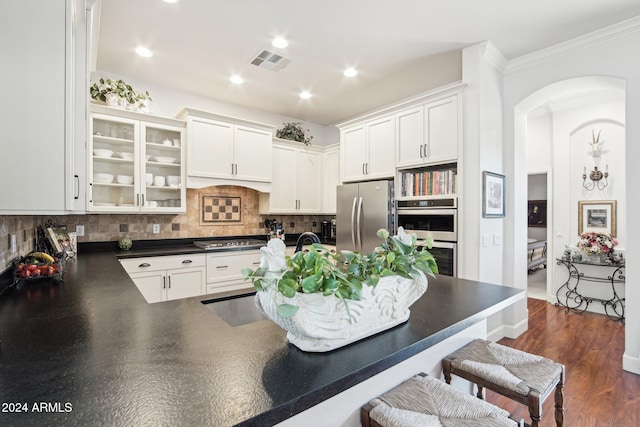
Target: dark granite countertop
[(96, 353)]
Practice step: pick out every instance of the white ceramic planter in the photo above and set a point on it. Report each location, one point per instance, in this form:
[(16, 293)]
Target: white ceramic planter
[(322, 322)]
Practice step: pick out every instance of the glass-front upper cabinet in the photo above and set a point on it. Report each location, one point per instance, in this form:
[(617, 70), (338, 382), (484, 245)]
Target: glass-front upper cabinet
[(136, 165)]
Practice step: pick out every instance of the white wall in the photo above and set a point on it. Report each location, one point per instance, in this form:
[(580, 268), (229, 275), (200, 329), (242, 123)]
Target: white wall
[(168, 102), (615, 55)]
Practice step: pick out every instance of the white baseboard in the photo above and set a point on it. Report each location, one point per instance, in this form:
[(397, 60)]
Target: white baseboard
[(509, 331), (631, 364)]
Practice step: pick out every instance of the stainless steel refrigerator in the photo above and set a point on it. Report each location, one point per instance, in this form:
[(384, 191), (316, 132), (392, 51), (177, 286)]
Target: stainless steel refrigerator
[(363, 209)]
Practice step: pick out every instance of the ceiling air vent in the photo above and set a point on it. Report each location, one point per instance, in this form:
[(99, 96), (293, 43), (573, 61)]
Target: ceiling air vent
[(270, 61)]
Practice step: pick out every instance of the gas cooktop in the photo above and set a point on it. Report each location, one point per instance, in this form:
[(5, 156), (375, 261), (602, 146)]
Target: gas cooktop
[(212, 245)]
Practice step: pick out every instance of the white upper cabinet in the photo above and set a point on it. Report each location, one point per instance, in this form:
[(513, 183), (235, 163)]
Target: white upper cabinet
[(136, 162), (331, 178), (226, 148), (429, 133), (297, 180), (43, 48), (368, 150)]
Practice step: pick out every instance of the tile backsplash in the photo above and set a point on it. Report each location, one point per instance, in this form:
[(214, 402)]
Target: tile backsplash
[(112, 227)]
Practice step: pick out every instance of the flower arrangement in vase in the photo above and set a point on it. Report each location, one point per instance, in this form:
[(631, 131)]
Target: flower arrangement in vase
[(593, 243)]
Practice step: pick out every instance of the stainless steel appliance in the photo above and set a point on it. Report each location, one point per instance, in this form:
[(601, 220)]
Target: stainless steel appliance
[(435, 218), (229, 244), (446, 254), (363, 208), (325, 230)]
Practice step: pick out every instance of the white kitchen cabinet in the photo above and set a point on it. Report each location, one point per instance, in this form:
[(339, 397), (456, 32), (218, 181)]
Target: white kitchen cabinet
[(224, 269), (368, 150), (297, 183), (331, 178), (428, 134), (39, 115), (226, 148), (147, 149), (164, 278)]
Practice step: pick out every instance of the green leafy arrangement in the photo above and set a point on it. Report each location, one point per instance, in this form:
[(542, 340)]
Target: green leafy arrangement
[(343, 275), (295, 132), (99, 91)]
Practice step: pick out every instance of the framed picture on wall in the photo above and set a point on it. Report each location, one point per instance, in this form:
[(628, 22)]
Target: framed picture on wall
[(597, 216), (537, 213), (492, 195)]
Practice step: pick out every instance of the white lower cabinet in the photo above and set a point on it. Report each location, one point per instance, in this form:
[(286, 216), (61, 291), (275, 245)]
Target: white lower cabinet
[(224, 269), (164, 278)]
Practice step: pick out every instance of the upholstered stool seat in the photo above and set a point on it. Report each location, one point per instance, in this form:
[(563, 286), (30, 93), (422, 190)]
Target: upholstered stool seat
[(524, 377), (423, 401)]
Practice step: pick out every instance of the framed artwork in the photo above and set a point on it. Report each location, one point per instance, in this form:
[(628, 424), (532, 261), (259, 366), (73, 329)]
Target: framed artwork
[(597, 216), (537, 213), (493, 199)]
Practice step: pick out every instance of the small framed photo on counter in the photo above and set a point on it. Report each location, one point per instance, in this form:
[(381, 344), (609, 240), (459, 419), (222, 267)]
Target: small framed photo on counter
[(493, 198), (597, 216)]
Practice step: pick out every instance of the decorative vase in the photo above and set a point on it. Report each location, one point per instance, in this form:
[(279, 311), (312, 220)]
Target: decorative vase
[(113, 100), (323, 323)]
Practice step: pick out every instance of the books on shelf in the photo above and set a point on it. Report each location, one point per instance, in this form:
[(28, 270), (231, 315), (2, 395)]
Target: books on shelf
[(428, 183)]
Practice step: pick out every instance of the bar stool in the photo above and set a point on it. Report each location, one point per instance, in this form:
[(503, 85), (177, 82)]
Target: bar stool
[(423, 401), (523, 377)]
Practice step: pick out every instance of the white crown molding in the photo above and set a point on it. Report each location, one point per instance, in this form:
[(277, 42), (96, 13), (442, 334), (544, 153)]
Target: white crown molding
[(494, 57), (602, 35)]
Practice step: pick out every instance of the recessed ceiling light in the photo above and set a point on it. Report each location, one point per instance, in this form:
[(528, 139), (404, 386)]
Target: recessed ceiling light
[(170, 1), (350, 72), (144, 52), (305, 94), (280, 42), (236, 79)]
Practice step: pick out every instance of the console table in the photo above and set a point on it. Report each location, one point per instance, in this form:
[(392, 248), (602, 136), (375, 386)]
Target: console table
[(569, 296)]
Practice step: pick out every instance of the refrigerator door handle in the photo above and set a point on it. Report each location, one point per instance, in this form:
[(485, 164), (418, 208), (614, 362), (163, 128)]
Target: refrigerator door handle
[(359, 225), (353, 223)]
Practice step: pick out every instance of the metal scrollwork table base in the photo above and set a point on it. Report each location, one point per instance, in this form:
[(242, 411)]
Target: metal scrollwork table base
[(569, 297)]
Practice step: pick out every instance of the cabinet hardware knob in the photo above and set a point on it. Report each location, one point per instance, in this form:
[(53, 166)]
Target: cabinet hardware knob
[(164, 282), (145, 264), (169, 282), (220, 267), (77, 178), (187, 261)]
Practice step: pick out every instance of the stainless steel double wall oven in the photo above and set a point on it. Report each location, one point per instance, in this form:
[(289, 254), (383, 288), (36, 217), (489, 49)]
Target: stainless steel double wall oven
[(437, 219)]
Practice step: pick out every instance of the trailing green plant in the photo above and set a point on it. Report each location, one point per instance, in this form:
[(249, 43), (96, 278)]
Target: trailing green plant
[(295, 132), (99, 91), (343, 275)]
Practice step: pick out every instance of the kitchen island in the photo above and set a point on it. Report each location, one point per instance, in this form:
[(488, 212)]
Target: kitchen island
[(91, 351)]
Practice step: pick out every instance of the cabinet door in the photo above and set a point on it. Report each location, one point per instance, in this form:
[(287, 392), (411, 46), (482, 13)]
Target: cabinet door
[(34, 110), (309, 181), (331, 180), (410, 137), (185, 282), (114, 165), (162, 172), (283, 185), (152, 285), (353, 143), (382, 148), (209, 148), (441, 120), (252, 152)]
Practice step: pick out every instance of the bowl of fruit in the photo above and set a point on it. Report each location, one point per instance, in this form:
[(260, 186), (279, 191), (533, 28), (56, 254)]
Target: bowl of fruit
[(38, 265)]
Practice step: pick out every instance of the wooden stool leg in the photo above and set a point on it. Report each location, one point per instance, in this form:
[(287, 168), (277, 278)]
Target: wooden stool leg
[(446, 370), (559, 400), (480, 394), (535, 408)]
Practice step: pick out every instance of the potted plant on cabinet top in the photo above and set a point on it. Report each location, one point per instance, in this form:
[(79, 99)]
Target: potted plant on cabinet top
[(116, 93), (326, 301), (294, 132)]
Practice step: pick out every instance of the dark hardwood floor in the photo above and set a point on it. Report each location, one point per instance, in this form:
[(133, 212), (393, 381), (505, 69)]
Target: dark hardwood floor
[(597, 393)]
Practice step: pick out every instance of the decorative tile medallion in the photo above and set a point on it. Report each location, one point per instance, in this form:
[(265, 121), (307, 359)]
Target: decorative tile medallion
[(221, 209)]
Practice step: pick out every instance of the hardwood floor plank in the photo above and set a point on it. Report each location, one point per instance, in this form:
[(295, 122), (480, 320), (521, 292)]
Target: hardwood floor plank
[(597, 391)]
